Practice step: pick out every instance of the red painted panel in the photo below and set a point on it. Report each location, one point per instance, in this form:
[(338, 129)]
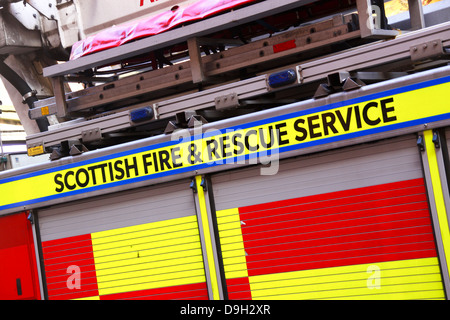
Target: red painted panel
[(364, 225), (18, 270), (320, 198), (302, 240), (337, 227), (239, 289), (311, 258), (70, 268), (196, 291), (13, 230)]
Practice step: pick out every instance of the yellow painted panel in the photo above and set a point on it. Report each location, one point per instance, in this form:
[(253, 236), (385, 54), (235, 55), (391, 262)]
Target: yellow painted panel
[(347, 269), (148, 255), (230, 232), (89, 298), (102, 241), (362, 286), (438, 194), (209, 250), (227, 213), (229, 226), (145, 226), (154, 281), (232, 249), (400, 292), (232, 243), (404, 279), (146, 264), (126, 240), (386, 275), (148, 243), (152, 285), (163, 270), (231, 238), (231, 218), (236, 274), (151, 276), (433, 294)]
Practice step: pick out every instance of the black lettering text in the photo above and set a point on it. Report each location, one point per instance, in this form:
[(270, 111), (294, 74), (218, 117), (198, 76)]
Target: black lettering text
[(212, 150), (147, 162), (225, 145), (118, 168), (358, 117), (301, 130), (164, 157), (345, 123), (82, 182), (59, 183), (366, 114), (271, 137), (66, 180), (281, 141), (386, 110), (176, 157), (313, 126), (328, 120), (247, 140), (237, 143), (129, 166)]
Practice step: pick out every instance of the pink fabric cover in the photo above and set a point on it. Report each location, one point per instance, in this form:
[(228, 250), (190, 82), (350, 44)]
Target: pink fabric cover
[(118, 35)]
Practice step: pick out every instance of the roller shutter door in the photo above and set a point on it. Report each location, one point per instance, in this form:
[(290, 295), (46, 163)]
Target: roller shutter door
[(137, 244), (352, 223)]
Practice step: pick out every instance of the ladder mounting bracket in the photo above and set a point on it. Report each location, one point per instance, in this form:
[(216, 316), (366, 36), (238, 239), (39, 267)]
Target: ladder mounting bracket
[(427, 50)]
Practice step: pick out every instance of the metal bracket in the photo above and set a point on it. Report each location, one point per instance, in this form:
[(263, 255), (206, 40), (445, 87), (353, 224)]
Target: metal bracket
[(337, 82), (427, 50), (46, 8), (198, 74), (299, 70), (26, 15), (227, 101), (91, 135), (156, 110), (60, 100)]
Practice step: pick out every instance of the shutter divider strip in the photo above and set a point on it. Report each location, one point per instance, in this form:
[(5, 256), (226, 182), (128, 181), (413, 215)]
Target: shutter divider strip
[(434, 175), (210, 255)]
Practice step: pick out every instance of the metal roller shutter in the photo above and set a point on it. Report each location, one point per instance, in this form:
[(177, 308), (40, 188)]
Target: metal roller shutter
[(343, 224), (137, 244)]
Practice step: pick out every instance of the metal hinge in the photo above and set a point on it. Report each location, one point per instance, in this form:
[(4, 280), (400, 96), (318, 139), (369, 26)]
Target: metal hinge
[(203, 184)]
